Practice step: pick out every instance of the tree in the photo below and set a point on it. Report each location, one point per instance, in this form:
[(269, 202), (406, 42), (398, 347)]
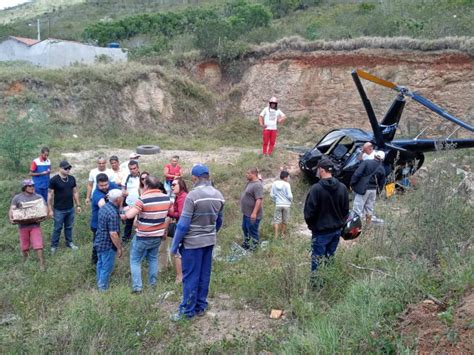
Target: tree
[(21, 134)]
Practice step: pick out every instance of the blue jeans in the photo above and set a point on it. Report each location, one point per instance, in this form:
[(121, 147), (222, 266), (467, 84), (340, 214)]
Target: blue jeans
[(167, 185), (43, 192), (62, 218), (250, 230), (197, 265), (323, 245), (140, 249), (105, 266)]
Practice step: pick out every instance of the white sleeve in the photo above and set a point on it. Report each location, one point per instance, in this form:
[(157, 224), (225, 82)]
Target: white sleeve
[(264, 112), (91, 176), (280, 113), (290, 195)]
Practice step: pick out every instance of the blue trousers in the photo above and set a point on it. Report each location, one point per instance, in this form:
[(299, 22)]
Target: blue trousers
[(250, 230), (197, 265), (323, 245), (144, 248), (105, 266), (62, 218), (43, 192)]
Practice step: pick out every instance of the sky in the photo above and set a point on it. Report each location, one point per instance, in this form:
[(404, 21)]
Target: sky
[(9, 3)]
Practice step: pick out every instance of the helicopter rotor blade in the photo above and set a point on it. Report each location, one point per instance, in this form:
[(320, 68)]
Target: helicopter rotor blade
[(435, 108), (377, 80)]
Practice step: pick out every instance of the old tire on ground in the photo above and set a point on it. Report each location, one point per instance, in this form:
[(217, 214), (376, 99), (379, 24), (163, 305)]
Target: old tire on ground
[(148, 149)]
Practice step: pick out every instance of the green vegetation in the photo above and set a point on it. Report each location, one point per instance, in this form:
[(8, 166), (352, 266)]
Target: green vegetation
[(226, 30), (20, 136), (366, 287)]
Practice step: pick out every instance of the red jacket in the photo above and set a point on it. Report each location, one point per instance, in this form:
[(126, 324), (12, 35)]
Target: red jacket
[(178, 205)]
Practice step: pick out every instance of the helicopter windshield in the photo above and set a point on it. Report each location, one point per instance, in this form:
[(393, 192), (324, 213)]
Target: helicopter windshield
[(330, 138)]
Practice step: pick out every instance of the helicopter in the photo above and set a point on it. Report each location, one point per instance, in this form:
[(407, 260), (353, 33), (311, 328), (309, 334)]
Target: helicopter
[(403, 157)]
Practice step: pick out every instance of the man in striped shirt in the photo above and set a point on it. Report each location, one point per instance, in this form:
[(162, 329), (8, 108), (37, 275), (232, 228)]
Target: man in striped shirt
[(152, 210), (195, 237)]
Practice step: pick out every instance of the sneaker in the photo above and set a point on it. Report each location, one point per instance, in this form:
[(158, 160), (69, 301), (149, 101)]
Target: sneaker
[(53, 250), (200, 313), (376, 220), (177, 317), (136, 292), (73, 246)]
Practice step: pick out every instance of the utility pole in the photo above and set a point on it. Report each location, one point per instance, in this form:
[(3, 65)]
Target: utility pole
[(38, 29)]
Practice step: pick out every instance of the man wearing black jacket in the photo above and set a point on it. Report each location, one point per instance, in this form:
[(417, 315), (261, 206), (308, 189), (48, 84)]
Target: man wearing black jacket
[(367, 180), (325, 211)]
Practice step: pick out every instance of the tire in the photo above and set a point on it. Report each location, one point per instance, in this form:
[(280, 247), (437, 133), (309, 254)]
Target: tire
[(148, 149)]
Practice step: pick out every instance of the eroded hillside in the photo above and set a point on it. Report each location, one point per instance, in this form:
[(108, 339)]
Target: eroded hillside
[(316, 85)]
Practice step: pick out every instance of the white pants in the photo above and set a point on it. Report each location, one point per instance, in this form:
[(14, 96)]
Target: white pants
[(364, 204)]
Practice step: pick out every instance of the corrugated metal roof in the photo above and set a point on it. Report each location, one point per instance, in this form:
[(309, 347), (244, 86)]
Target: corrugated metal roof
[(28, 41)]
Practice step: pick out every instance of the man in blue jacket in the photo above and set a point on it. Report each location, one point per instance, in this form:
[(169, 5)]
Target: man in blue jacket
[(325, 212), (99, 199), (367, 180)]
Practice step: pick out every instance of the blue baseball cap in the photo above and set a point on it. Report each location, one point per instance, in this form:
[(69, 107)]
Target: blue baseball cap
[(199, 170)]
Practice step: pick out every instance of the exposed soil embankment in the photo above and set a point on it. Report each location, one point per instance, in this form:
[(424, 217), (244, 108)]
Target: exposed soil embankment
[(319, 85), (316, 85)]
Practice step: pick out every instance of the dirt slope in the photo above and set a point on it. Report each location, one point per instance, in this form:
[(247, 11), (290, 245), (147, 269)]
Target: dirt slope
[(431, 329), (318, 84)]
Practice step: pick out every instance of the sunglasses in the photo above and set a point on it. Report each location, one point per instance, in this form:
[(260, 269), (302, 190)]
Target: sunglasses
[(69, 168), (143, 178), (173, 185)]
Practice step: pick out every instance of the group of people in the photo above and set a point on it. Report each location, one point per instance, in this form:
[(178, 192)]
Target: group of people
[(151, 210)]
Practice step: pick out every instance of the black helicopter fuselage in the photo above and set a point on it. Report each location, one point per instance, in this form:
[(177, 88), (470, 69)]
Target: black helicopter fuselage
[(402, 156)]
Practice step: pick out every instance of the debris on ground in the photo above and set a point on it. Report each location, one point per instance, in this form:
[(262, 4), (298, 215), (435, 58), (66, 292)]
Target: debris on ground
[(466, 188), (276, 313), (9, 319), (236, 253)]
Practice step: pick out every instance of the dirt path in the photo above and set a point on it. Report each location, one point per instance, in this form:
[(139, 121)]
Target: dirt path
[(227, 319)]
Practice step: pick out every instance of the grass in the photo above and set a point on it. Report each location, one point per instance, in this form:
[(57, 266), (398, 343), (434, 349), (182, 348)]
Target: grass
[(356, 310)]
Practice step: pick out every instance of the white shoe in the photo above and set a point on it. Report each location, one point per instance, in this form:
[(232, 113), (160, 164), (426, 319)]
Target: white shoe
[(73, 246), (376, 220), (53, 250)]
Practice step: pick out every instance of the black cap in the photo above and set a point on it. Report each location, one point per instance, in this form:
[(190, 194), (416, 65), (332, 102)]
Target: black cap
[(326, 164), (65, 164)]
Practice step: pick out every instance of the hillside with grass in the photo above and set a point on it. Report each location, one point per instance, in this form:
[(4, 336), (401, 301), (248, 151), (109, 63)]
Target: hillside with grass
[(198, 74)]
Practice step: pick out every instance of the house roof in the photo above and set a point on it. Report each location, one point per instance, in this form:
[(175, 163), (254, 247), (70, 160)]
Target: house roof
[(28, 41)]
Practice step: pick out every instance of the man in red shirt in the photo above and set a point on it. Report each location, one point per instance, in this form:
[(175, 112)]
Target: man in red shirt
[(172, 171)]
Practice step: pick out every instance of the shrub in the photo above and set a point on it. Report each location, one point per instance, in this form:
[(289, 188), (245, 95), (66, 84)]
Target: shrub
[(21, 134), (166, 24), (219, 37), (281, 8)]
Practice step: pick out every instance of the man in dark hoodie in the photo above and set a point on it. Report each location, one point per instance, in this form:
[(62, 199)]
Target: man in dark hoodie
[(325, 211), (368, 178)]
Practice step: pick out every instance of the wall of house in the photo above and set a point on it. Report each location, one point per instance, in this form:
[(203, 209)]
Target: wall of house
[(53, 53)]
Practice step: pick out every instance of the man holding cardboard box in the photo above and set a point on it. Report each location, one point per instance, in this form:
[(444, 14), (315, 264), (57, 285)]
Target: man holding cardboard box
[(29, 229)]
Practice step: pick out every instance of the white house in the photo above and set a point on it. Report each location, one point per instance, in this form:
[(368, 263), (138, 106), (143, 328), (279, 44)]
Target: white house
[(56, 53)]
